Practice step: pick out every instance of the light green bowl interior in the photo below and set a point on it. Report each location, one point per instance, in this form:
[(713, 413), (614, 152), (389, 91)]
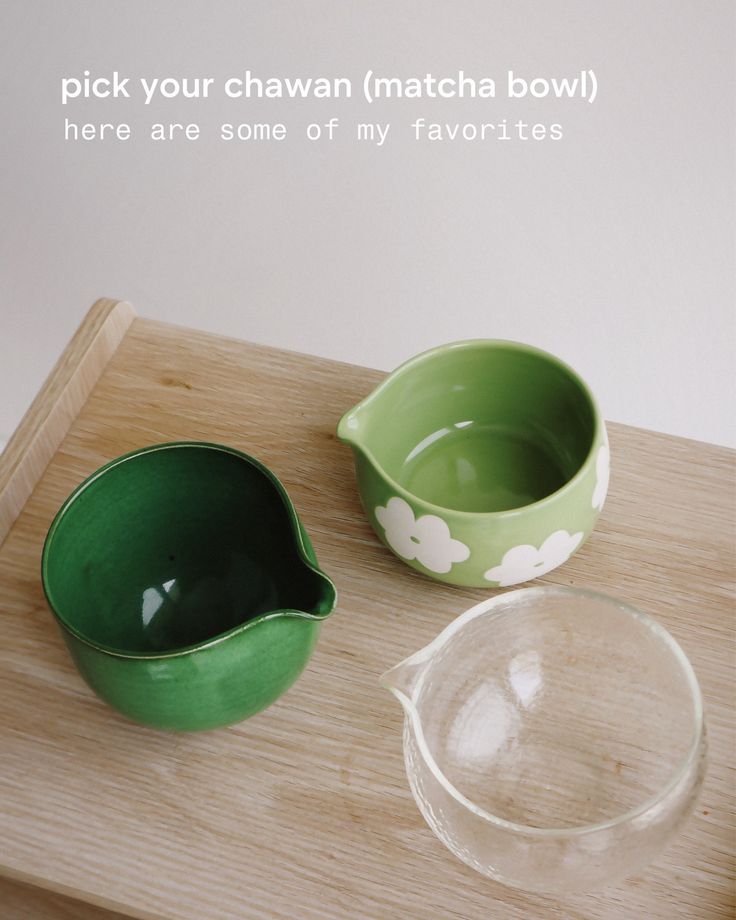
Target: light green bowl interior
[(481, 426), (172, 547)]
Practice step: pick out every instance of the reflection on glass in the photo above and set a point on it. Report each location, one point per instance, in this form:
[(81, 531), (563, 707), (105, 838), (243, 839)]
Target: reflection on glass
[(485, 724), (525, 676)]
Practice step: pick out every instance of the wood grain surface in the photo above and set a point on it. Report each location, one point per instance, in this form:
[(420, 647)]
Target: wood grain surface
[(25, 902), (304, 810)]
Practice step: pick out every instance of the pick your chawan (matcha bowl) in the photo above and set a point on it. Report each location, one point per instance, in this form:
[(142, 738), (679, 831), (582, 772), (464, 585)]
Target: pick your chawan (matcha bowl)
[(185, 586), (481, 463)]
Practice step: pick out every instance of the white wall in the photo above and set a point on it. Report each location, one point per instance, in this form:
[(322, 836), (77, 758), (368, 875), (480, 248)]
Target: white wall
[(612, 248)]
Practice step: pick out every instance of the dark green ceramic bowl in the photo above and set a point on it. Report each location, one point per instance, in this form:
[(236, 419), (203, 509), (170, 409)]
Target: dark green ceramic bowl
[(185, 586)]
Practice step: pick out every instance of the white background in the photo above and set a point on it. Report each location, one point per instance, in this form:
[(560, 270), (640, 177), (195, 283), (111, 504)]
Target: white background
[(612, 248)]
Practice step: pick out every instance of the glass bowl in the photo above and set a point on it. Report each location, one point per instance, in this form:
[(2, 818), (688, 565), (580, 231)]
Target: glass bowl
[(554, 738)]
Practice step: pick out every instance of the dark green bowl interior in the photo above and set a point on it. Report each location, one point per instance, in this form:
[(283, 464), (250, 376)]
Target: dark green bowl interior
[(482, 426), (171, 547)]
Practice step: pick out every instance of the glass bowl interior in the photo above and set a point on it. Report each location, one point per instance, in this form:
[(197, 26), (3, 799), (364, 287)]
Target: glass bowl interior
[(482, 426), (559, 709)]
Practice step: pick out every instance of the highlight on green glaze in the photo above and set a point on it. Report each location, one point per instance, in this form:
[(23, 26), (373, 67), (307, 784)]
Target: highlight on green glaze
[(185, 586), (480, 463)]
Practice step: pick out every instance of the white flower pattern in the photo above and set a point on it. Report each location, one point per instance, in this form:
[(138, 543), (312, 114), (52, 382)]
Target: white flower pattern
[(602, 475), (522, 563), (426, 539)]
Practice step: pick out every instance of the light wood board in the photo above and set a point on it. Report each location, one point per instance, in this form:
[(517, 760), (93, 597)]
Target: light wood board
[(24, 902), (304, 811)]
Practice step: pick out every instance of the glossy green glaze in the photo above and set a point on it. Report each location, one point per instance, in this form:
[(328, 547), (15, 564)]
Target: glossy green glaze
[(186, 588), (480, 463)]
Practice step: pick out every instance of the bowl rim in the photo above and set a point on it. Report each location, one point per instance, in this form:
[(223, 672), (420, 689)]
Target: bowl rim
[(649, 804), (599, 428), (301, 543)]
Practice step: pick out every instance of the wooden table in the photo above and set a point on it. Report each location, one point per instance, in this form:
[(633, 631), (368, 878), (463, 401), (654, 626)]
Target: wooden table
[(304, 810)]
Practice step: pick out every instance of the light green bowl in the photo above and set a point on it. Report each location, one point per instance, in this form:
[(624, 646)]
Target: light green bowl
[(185, 586), (481, 463)]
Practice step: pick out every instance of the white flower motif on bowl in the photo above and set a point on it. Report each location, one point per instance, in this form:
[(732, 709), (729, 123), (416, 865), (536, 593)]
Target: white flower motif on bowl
[(525, 562), (426, 538)]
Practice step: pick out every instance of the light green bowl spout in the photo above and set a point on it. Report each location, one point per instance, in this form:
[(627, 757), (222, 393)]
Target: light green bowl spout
[(480, 463)]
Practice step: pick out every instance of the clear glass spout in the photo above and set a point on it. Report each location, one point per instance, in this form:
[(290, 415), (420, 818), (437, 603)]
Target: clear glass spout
[(404, 678)]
